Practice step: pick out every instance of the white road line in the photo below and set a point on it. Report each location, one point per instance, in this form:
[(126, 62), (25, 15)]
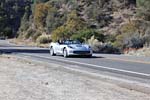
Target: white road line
[(108, 68)]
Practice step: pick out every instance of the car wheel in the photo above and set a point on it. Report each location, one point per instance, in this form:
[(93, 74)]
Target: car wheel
[(89, 56), (52, 52), (65, 53)]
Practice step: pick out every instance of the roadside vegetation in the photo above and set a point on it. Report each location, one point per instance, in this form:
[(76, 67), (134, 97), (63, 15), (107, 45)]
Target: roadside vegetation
[(109, 26)]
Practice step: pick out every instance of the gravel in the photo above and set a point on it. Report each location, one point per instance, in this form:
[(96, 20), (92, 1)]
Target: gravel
[(24, 80)]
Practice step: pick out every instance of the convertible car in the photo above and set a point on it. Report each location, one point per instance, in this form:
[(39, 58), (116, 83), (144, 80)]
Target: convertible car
[(70, 48)]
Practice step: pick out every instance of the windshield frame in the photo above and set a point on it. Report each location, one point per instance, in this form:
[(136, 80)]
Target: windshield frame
[(68, 42)]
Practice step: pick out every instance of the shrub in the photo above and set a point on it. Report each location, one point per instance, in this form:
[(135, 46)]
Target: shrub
[(85, 34), (7, 32), (60, 33), (72, 25), (43, 39), (110, 38), (108, 48), (130, 36), (146, 39), (94, 43), (100, 47), (36, 35), (30, 33), (128, 28), (119, 42), (134, 42), (144, 9), (24, 26), (40, 14)]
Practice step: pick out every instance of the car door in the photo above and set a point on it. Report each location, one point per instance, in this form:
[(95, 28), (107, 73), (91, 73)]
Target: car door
[(58, 48)]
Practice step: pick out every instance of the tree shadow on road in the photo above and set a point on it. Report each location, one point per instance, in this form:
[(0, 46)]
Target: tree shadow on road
[(22, 49), (79, 56), (9, 51)]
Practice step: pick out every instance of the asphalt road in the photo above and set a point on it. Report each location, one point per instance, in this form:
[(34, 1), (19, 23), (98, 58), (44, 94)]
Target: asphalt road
[(119, 64)]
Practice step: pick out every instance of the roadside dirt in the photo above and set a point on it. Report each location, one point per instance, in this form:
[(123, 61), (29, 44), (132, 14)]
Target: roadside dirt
[(28, 43), (24, 80)]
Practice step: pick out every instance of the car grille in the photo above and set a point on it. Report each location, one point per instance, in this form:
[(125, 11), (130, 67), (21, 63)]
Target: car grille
[(81, 52)]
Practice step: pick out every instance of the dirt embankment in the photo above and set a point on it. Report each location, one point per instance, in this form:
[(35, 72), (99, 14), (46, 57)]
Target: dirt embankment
[(24, 80)]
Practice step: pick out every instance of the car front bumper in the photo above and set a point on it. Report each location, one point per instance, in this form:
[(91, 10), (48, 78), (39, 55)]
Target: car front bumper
[(80, 52)]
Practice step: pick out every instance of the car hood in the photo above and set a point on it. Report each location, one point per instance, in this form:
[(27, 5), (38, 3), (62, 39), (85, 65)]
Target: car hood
[(79, 46)]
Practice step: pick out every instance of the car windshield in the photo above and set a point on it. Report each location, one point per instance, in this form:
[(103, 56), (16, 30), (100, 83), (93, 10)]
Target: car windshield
[(72, 42)]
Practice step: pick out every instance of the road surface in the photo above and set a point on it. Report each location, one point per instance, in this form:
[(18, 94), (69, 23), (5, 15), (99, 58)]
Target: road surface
[(119, 65)]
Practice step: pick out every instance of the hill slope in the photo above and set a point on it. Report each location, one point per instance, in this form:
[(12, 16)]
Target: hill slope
[(120, 24)]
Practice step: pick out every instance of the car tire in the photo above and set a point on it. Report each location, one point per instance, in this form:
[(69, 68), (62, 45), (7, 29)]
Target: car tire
[(65, 53), (52, 52), (89, 56)]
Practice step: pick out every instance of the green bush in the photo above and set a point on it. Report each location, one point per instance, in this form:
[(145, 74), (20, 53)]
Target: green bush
[(110, 38), (100, 47), (43, 39), (7, 32), (129, 37), (84, 35), (60, 33), (134, 42)]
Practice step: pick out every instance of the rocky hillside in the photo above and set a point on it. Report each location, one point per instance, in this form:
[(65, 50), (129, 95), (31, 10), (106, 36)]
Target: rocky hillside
[(106, 15), (11, 14), (119, 24)]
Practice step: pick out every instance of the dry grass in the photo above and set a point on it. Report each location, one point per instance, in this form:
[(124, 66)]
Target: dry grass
[(28, 43), (140, 52)]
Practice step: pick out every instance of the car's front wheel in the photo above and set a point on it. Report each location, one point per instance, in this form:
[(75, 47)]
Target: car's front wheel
[(65, 53), (89, 56), (52, 52)]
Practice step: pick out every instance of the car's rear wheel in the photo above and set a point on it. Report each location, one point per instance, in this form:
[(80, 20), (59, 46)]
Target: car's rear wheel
[(52, 52), (65, 53)]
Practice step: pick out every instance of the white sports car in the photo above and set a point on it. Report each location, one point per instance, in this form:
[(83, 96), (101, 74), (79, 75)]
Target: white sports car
[(70, 47)]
